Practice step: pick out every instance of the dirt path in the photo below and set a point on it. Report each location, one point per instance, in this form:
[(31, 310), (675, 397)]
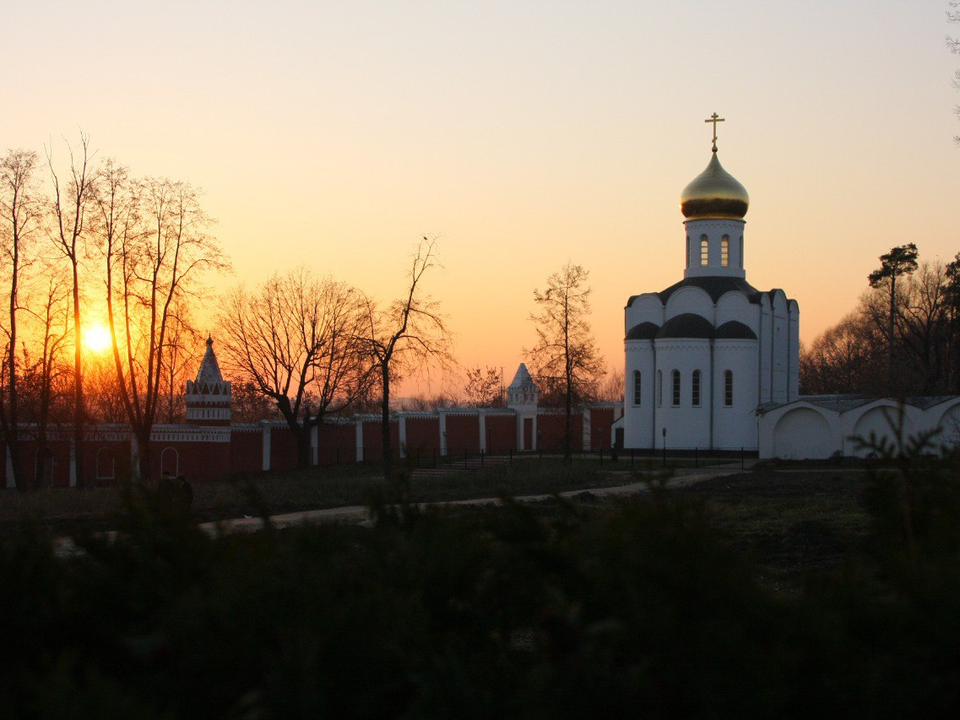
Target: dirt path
[(360, 514)]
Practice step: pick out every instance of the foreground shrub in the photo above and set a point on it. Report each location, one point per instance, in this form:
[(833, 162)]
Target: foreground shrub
[(639, 609)]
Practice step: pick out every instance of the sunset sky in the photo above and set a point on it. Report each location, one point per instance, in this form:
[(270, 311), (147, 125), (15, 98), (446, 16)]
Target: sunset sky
[(524, 134)]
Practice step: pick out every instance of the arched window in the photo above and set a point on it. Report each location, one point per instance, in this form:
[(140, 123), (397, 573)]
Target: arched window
[(695, 389), (659, 388), (170, 462), (741, 251), (704, 250), (688, 251), (728, 388), (676, 388), (725, 251), (637, 394)]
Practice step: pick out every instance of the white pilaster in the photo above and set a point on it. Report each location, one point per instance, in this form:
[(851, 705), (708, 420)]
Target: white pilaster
[(11, 483), (443, 433), (359, 429), (266, 448)]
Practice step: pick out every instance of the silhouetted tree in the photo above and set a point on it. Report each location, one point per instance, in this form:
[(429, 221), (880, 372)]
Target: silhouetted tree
[(19, 221), (901, 260), (297, 341), (410, 331), (566, 355), (484, 387), (69, 206), (154, 240)]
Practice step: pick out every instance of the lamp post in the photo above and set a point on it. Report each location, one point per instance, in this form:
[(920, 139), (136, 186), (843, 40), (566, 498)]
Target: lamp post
[(664, 447)]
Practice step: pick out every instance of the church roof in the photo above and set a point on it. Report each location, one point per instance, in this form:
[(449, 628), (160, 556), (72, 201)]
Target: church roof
[(714, 286), (687, 325), (734, 330), (714, 193), (522, 378), (209, 371), (643, 331), (691, 325)]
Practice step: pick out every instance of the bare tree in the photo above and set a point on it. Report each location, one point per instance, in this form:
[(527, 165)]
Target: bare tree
[(566, 354), (484, 388), (181, 357), (846, 358), (19, 220), (69, 206), (46, 373), (612, 385), (925, 333), (155, 246), (410, 332), (297, 340)]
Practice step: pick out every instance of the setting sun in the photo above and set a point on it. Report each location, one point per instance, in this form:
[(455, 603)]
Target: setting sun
[(96, 339)]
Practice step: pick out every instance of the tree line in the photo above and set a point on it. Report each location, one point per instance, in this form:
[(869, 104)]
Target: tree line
[(903, 338), (83, 237)]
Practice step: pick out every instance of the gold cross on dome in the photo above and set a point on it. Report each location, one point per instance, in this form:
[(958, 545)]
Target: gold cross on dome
[(715, 119)]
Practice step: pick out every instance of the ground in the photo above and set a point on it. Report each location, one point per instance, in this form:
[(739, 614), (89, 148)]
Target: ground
[(793, 519)]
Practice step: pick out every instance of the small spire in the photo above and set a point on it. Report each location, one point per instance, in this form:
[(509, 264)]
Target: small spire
[(715, 119), (209, 340)]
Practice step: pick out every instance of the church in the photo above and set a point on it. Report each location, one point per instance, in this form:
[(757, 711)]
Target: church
[(702, 355)]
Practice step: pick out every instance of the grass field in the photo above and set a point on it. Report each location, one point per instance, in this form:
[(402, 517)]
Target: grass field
[(792, 519)]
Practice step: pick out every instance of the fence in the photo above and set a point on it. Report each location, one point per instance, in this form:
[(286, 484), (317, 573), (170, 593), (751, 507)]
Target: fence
[(609, 458)]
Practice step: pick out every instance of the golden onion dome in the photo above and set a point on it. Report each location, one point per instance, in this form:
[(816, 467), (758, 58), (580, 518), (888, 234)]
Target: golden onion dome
[(714, 193)]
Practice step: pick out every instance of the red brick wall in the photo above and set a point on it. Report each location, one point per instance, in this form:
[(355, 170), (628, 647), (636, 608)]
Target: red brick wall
[(372, 444), (600, 421), (196, 461), (336, 444), (98, 461), (283, 449), (501, 433), (246, 450), (463, 434), (550, 432), (423, 435), (61, 461)]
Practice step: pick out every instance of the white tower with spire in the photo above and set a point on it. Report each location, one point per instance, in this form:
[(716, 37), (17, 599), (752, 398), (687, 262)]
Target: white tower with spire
[(523, 396), (208, 397)]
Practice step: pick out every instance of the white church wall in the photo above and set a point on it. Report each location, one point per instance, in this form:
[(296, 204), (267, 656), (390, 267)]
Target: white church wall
[(735, 306), (947, 416), (805, 433), (881, 419), (735, 425), (645, 308), (687, 425), (781, 340), (766, 349), (638, 419), (793, 352), (690, 299)]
